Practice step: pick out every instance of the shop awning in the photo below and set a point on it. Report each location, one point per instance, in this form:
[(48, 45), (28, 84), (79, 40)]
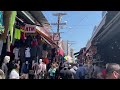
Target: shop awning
[(34, 17), (46, 40), (27, 18), (60, 52), (38, 15), (31, 17), (41, 31)]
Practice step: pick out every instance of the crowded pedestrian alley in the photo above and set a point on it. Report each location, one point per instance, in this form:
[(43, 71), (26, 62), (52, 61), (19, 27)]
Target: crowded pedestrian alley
[(30, 49)]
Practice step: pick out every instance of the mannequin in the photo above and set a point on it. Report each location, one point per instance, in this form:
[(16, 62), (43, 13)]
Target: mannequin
[(2, 76), (41, 69), (16, 53), (4, 65), (28, 56)]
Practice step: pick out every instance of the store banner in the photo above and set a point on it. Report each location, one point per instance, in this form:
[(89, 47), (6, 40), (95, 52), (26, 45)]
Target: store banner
[(30, 28)]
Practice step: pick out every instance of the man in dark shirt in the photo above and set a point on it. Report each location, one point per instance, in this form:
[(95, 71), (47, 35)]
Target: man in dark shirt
[(113, 71), (65, 73)]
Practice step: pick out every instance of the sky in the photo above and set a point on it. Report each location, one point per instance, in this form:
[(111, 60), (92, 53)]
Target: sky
[(79, 26)]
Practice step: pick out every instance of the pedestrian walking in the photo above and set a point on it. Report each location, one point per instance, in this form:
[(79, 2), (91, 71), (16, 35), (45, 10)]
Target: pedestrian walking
[(80, 73), (113, 71), (65, 73), (52, 71), (25, 69), (15, 72), (86, 71), (97, 71), (90, 71), (57, 74), (73, 70)]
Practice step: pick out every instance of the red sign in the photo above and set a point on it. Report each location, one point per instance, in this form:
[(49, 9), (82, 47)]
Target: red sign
[(30, 28)]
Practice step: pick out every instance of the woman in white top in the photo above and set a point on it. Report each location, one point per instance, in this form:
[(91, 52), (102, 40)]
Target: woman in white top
[(15, 72)]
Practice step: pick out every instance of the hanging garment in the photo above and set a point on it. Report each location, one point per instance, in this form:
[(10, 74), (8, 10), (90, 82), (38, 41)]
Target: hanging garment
[(44, 54), (23, 34), (34, 52), (61, 52), (1, 46), (44, 46), (28, 41), (17, 34), (16, 53), (34, 43), (27, 52), (8, 43), (11, 23), (46, 61), (1, 22), (39, 51), (22, 54), (17, 43)]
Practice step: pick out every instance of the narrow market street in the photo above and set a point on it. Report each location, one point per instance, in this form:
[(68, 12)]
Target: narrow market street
[(59, 45)]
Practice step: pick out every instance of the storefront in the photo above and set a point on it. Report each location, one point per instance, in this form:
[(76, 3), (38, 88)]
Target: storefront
[(24, 33)]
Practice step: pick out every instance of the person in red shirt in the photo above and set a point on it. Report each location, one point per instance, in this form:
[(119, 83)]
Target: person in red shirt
[(45, 60)]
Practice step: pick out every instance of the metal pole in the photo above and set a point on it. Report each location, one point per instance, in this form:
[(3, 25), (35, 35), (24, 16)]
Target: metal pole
[(58, 29), (58, 33), (67, 47), (58, 24)]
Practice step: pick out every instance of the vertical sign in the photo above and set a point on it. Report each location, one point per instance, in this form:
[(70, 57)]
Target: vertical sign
[(56, 36)]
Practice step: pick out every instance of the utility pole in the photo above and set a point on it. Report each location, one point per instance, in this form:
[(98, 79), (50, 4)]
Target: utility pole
[(71, 43), (59, 15)]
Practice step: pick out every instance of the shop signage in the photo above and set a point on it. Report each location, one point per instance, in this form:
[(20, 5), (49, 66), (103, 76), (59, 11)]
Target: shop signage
[(30, 28), (56, 36)]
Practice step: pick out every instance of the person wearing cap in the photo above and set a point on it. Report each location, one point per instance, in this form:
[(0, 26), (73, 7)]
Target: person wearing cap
[(4, 66)]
